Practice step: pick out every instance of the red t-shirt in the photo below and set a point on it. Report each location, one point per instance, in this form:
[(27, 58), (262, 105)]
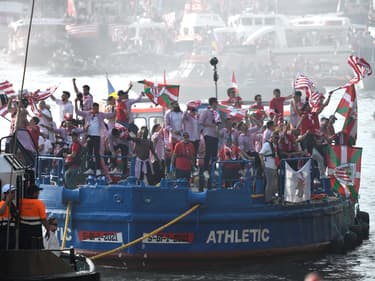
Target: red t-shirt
[(76, 146), (34, 133), (121, 114), (309, 121), (277, 104), (184, 153)]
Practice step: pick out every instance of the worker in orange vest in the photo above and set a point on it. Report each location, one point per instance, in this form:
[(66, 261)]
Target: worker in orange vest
[(32, 216), (8, 212)]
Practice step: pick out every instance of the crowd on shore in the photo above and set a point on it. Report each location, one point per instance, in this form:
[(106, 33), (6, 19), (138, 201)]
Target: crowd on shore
[(185, 145)]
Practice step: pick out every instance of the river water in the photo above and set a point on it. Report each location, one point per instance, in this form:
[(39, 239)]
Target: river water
[(356, 265)]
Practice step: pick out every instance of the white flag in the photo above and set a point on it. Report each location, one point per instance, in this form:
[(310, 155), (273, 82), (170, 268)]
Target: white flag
[(297, 183)]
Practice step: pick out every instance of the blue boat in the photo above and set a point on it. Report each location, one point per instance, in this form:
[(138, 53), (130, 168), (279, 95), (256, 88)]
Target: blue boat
[(135, 225)]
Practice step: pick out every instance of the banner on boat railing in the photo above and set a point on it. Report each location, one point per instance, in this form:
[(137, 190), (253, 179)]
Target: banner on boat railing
[(297, 183)]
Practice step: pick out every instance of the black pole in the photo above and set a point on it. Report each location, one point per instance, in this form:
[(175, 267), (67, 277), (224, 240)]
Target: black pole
[(214, 61), (216, 77)]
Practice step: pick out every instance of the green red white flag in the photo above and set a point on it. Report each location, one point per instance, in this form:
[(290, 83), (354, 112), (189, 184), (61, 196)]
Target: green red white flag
[(344, 169), (161, 94), (348, 108)]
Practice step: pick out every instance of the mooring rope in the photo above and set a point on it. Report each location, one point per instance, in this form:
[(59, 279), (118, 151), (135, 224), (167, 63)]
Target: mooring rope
[(180, 217), (68, 209)]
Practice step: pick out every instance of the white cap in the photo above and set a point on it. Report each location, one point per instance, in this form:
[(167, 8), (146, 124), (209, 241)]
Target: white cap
[(7, 187)]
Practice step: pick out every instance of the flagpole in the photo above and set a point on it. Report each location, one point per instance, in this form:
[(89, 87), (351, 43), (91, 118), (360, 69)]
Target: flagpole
[(27, 48), (214, 61)]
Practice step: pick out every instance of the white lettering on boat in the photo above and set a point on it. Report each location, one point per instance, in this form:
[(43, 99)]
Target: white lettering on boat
[(253, 235), (60, 234)]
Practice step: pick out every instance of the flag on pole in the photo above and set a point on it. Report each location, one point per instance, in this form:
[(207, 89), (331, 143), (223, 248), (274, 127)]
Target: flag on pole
[(111, 89), (297, 183), (234, 83), (348, 108), (302, 82), (161, 94), (344, 169)]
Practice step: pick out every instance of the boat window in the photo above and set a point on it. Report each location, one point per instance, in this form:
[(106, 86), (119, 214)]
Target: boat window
[(155, 120), (269, 21), (140, 122), (258, 21)]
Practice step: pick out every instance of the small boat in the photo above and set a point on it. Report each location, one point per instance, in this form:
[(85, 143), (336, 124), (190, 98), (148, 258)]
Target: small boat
[(36, 264)]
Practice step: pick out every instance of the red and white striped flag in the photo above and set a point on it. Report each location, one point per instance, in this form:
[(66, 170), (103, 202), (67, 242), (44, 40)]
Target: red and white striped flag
[(39, 95), (314, 100), (361, 68), (304, 83), (7, 88), (234, 83)]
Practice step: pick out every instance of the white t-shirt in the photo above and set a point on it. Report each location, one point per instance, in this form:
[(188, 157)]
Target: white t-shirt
[(51, 243), (269, 161), (47, 146), (94, 126), (64, 108)]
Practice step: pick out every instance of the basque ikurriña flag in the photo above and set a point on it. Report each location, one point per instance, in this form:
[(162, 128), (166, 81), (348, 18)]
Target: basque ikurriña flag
[(297, 183), (348, 108), (161, 94), (344, 169)]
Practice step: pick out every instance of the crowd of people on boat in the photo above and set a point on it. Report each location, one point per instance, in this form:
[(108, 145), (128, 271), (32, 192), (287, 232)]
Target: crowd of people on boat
[(185, 146)]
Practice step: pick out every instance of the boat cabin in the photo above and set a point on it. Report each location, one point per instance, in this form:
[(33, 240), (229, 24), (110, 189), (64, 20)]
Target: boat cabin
[(200, 23)]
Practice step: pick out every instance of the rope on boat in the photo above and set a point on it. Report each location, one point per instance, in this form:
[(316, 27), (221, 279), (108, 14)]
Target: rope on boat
[(156, 231), (68, 209)]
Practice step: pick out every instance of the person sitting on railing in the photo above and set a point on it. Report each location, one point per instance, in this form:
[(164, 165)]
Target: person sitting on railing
[(73, 160), (230, 170), (270, 161)]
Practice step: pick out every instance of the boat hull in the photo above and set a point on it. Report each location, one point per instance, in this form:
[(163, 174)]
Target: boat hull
[(229, 224)]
